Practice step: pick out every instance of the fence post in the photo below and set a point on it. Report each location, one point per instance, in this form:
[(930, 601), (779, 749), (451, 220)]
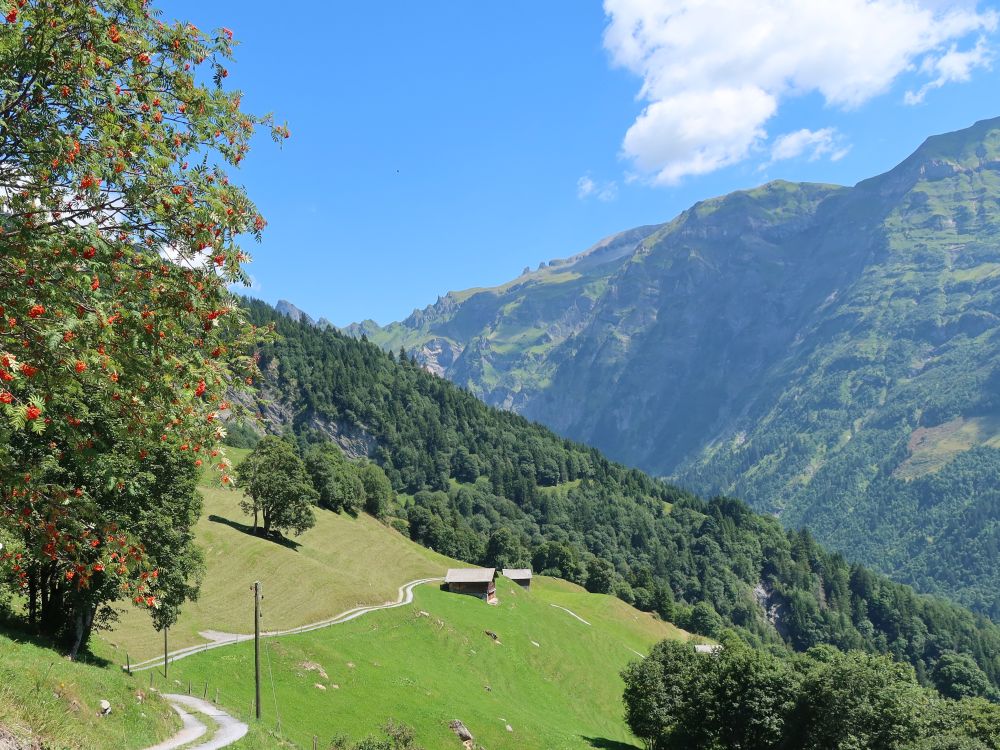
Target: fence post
[(128, 664)]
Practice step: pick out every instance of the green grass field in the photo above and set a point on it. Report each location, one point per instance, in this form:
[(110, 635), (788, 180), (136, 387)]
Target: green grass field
[(552, 678), (931, 448), (340, 563), (423, 664), (45, 697)]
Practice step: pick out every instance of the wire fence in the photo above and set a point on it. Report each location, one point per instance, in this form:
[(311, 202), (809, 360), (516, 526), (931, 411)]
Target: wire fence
[(149, 674), (239, 703)]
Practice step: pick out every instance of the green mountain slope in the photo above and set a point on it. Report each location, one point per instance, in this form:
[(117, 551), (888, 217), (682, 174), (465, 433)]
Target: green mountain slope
[(485, 486), (829, 354), (497, 341), (388, 664), (552, 678), (347, 561)]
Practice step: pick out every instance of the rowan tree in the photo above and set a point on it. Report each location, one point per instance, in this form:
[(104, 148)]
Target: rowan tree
[(119, 339)]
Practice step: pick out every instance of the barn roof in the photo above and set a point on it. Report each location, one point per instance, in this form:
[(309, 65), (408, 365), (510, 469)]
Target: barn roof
[(470, 575), (517, 574)]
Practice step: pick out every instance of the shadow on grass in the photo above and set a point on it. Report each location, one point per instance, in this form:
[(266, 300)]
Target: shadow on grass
[(247, 529), (18, 632), (603, 743)]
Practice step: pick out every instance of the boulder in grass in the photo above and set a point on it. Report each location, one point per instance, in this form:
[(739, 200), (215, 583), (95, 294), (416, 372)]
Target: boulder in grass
[(105, 708), (461, 730)]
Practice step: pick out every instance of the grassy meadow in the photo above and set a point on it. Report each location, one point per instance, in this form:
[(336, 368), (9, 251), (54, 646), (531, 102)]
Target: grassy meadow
[(338, 564), (552, 678), (47, 698)]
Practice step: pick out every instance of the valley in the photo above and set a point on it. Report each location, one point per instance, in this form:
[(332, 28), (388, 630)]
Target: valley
[(552, 674), (809, 348), (729, 478)]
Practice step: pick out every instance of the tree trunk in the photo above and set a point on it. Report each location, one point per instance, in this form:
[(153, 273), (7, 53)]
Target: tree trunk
[(255, 519), (267, 523), (33, 596), (50, 604), (78, 628), (88, 623), (83, 624)]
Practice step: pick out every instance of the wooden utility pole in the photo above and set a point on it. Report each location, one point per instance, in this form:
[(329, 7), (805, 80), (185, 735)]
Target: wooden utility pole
[(256, 645), (165, 653)]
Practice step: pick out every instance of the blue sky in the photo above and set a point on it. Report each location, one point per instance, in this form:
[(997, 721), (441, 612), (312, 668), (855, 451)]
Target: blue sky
[(440, 146)]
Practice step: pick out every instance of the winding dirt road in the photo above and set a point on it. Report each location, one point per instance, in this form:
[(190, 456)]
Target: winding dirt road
[(229, 730), (218, 639)]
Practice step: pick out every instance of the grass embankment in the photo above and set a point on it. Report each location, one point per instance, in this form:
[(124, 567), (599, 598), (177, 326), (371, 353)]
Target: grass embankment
[(338, 564), (46, 698), (424, 664), (552, 678)]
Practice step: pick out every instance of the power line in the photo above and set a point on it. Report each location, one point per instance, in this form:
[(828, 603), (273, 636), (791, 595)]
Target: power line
[(256, 645)]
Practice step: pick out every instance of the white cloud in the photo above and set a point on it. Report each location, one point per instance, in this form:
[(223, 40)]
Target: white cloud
[(694, 132), (954, 66), (813, 144), (586, 188), (715, 71)]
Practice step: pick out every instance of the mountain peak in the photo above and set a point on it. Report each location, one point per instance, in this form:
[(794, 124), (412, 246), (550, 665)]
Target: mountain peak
[(289, 310), (971, 149)]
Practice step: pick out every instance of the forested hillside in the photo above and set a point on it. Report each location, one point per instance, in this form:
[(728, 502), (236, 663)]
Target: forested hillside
[(487, 486), (829, 354)]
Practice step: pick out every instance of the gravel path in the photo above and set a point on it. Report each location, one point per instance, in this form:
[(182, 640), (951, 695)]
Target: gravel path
[(192, 730), (218, 639), (228, 730)]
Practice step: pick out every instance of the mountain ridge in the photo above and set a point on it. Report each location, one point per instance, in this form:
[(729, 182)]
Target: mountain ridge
[(784, 344), (487, 486)]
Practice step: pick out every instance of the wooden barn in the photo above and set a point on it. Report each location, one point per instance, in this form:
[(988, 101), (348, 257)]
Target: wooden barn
[(473, 581), (520, 576)]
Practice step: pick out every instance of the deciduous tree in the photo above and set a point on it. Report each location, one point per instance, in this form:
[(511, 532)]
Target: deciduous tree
[(378, 489), (335, 478), (119, 339), (277, 486)]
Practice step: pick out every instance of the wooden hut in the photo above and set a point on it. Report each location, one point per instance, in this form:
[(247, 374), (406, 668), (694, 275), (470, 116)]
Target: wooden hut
[(473, 581), (520, 576)]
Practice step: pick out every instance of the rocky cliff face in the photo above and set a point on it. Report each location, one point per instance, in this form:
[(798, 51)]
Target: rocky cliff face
[(783, 344), (275, 412)]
